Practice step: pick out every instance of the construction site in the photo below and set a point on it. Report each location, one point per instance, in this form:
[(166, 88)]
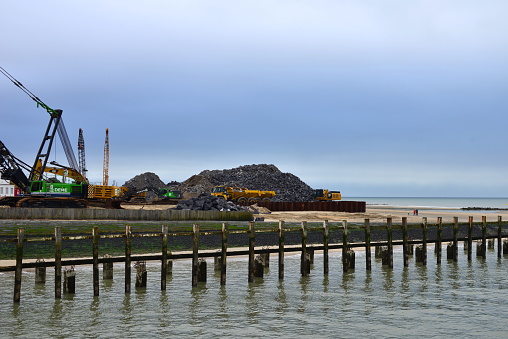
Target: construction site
[(49, 184)]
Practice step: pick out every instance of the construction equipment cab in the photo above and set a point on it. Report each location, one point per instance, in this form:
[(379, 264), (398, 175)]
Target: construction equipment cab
[(326, 195)]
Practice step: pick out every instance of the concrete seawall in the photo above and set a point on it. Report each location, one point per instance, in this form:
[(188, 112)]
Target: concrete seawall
[(119, 214)]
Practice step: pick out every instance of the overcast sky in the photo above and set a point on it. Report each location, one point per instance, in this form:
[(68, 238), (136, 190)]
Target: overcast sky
[(372, 98)]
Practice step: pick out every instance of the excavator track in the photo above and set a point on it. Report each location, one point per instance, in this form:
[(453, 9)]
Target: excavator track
[(35, 202)]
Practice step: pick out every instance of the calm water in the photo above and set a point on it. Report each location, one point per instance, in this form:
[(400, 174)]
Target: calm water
[(434, 202), (450, 300)]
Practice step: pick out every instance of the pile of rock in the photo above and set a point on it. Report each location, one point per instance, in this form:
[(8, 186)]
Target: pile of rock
[(256, 177), (145, 180), (208, 202)]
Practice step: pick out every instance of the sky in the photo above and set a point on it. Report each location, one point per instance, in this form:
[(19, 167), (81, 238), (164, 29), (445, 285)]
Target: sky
[(372, 98)]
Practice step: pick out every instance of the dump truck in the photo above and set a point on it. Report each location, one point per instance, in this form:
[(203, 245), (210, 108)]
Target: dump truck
[(326, 195), (242, 195)]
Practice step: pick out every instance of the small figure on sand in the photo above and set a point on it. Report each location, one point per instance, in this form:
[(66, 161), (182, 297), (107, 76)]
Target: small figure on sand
[(415, 212)]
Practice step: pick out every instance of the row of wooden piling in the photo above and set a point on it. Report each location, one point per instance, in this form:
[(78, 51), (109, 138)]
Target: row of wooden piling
[(256, 264)]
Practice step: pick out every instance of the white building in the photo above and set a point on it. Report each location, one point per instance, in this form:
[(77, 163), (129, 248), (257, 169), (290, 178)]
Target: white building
[(6, 189)]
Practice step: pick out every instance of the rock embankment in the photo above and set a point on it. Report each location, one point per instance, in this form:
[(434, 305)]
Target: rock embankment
[(207, 202)]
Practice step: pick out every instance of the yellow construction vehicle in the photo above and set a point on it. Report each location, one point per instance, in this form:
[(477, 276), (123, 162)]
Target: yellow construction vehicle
[(326, 195), (242, 195)]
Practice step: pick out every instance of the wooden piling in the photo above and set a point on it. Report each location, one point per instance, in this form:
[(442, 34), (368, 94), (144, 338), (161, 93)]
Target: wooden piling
[(455, 254), (349, 260), (470, 239), (325, 248), (304, 258), (40, 273), (439, 243), (128, 251), (424, 242), (251, 251), (505, 246), (95, 265), (195, 254), (141, 274), (368, 264), (405, 253), (19, 264), (69, 285), (345, 263), (484, 236), (265, 257), (201, 270), (107, 269), (390, 244), (281, 250), (449, 251), (164, 261), (419, 255), (224, 253), (384, 255), (480, 249), (499, 236), (259, 268), (58, 262)]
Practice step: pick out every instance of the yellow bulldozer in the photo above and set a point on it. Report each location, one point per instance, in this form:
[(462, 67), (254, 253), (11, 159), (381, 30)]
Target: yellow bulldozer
[(326, 195), (242, 195)]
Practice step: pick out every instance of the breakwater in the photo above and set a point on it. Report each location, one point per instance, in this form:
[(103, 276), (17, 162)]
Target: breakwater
[(482, 234)]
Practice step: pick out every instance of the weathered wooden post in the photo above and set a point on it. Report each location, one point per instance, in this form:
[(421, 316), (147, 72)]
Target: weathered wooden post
[(19, 265), (470, 239), (141, 274), (384, 255), (281, 250), (265, 257), (405, 254), (479, 249), (304, 258), (259, 268), (439, 243), (251, 251), (348, 255), (224, 253), (419, 254), (195, 254), (107, 269), (378, 251), (490, 244), (40, 272), (499, 235), (95, 266), (310, 254), (368, 264), (128, 251), (217, 262), (58, 262), (325, 247), (390, 244), (69, 285), (201, 270), (424, 243), (455, 255), (484, 236), (164, 262), (449, 251), (505, 246)]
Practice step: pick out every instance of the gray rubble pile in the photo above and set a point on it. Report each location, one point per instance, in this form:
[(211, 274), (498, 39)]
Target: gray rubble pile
[(207, 202), (256, 177), (145, 180)]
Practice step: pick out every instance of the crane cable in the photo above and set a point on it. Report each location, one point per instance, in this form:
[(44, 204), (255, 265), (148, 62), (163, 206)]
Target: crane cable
[(27, 91)]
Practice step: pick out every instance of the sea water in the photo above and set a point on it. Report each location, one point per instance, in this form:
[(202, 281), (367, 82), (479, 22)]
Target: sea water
[(428, 202), (448, 300)]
